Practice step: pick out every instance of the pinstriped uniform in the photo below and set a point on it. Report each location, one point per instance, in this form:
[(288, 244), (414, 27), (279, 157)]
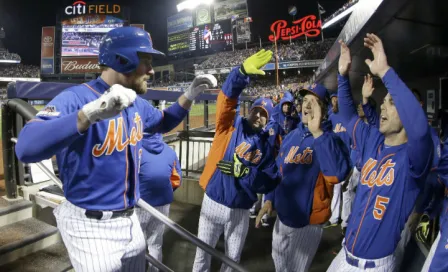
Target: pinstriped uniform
[(214, 220), (293, 249), (336, 204), (386, 264), (101, 245), (431, 254), (348, 196), (153, 230)]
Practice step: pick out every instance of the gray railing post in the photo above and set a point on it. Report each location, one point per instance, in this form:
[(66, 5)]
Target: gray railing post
[(206, 113), (8, 151)]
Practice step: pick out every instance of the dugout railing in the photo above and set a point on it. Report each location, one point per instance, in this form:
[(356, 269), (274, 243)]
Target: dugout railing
[(16, 111)]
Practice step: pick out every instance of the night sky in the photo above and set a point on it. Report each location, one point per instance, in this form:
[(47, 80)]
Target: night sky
[(23, 19)]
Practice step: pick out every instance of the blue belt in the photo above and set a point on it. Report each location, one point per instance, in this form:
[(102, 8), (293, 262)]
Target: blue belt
[(355, 262)]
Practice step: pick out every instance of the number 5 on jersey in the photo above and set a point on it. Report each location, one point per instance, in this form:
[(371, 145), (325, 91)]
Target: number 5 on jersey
[(380, 207)]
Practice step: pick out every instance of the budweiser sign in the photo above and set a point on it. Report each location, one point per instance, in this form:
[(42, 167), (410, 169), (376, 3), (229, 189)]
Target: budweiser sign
[(80, 65), (308, 25)]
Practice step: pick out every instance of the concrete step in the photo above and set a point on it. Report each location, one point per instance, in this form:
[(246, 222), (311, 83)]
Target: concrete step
[(14, 211), (51, 259), (25, 237)]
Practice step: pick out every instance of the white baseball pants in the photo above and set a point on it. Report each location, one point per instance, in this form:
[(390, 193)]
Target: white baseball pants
[(349, 196), (214, 220), (153, 231), (431, 254), (293, 249), (101, 245)]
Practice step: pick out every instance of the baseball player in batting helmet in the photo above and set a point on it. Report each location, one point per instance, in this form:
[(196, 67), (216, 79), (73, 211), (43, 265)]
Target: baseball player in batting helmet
[(96, 130), (395, 160), (311, 160), (238, 151)]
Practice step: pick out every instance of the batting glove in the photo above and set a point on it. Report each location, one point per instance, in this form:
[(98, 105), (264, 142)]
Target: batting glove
[(423, 229), (111, 103), (253, 64), (200, 83), (233, 168)]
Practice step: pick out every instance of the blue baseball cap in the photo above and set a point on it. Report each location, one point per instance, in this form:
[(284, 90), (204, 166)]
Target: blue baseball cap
[(316, 89), (264, 103), (333, 94)]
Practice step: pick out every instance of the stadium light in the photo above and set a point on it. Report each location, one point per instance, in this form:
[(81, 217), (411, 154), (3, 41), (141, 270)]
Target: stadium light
[(340, 16), (192, 4)]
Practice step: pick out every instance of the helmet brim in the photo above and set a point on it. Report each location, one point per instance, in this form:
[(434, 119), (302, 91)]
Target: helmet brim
[(151, 51)]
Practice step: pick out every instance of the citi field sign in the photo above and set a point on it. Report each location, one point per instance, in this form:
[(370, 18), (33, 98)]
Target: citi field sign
[(81, 8), (308, 26)]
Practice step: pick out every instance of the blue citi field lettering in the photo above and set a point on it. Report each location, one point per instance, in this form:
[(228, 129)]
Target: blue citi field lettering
[(114, 137), (252, 156), (306, 157)]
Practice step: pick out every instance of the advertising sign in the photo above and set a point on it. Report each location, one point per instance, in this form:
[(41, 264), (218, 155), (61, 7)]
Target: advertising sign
[(81, 8), (309, 26), (47, 50), (79, 65), (242, 31), (203, 15), (180, 22), (226, 9)]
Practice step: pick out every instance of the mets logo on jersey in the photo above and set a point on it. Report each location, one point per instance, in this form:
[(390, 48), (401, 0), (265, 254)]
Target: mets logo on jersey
[(251, 156), (114, 137), (306, 157), (384, 175)]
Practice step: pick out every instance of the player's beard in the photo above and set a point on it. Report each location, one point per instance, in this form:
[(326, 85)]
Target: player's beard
[(139, 84)]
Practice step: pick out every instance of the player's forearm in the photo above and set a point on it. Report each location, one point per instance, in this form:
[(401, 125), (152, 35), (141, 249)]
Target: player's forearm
[(371, 115), (347, 108), (172, 116), (184, 102), (262, 180), (40, 140), (409, 109), (415, 123), (333, 157), (82, 123)]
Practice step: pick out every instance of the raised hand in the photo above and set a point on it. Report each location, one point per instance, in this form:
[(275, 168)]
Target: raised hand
[(110, 104), (345, 60), (378, 66), (253, 63), (315, 119), (367, 88), (200, 83)]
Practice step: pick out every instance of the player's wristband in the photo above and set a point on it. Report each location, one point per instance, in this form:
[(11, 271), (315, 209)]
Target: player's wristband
[(242, 70)]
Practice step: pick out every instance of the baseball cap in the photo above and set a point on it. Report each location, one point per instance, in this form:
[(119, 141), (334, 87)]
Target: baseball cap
[(316, 89), (265, 104), (333, 94)]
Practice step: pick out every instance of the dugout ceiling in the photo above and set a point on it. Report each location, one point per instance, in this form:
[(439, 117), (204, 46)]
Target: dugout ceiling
[(414, 33)]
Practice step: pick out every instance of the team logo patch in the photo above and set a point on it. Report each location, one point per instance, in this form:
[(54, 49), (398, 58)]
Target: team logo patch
[(48, 111), (438, 151), (271, 132), (264, 103)]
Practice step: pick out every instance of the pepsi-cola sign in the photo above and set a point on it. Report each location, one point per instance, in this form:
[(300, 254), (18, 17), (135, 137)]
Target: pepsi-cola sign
[(308, 25)]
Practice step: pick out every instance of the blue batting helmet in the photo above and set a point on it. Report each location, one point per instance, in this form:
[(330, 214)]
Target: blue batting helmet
[(119, 47)]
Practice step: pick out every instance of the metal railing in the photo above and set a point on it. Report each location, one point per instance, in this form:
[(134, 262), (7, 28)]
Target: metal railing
[(165, 220)]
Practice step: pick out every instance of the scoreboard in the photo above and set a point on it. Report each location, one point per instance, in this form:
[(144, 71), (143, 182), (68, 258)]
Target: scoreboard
[(217, 36)]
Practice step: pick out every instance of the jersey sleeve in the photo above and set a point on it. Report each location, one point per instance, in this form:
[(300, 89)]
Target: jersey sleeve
[(371, 115), (420, 146), (53, 129), (333, 157), (227, 106), (157, 121), (359, 132), (261, 179)]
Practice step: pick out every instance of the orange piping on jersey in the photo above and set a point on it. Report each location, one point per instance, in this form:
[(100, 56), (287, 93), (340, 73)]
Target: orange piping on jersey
[(127, 165), (323, 193), (439, 181), (368, 201), (225, 116), (93, 90), (353, 133), (175, 177), (136, 162)]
